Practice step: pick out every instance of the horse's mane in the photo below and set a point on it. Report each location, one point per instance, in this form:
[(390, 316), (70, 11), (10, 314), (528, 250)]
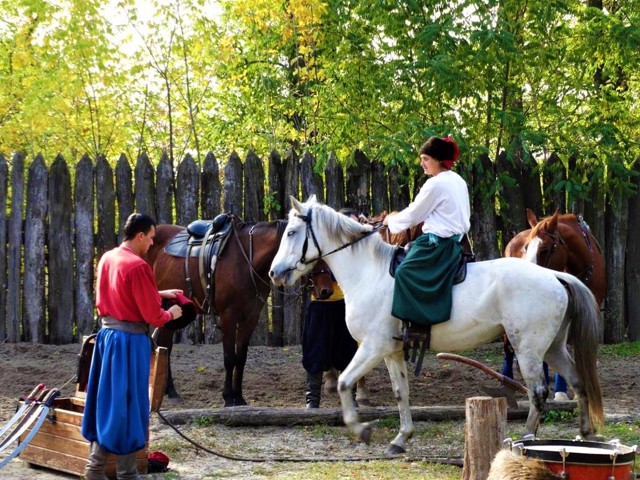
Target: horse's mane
[(346, 230)]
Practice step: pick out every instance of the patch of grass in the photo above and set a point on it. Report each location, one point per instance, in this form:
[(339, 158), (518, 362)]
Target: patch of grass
[(375, 470), (203, 422), (172, 446), (627, 432), (559, 416), (389, 423), (322, 431), (627, 350)]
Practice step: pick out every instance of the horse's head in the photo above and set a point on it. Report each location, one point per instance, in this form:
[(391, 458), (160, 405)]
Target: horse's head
[(313, 231), (545, 246), (321, 281)]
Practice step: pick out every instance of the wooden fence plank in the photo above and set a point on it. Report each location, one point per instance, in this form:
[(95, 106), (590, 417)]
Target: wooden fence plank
[(145, 189), (106, 207), (187, 194), (124, 193), (188, 184), (512, 205), (254, 212), (4, 178), (379, 188), (292, 325), (632, 260), (34, 318), (310, 182), (14, 253), (211, 189), (334, 176), (233, 185), (60, 242), (84, 247), (277, 196), (617, 223), (398, 188), (483, 224), (254, 178), (164, 190), (553, 171), (358, 183)]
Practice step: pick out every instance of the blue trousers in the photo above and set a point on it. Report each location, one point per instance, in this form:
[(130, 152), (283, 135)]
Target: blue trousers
[(560, 384)]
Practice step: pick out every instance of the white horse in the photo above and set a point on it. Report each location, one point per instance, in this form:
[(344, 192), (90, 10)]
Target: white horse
[(539, 310)]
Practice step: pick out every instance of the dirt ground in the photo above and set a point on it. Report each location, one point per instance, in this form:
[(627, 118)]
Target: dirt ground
[(274, 377)]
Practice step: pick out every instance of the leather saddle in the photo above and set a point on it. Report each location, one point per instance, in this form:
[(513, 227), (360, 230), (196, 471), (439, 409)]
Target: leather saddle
[(189, 242), (205, 240)]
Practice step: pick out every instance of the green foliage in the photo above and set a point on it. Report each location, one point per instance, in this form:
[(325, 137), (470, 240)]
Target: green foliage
[(630, 349), (559, 416), (186, 76)]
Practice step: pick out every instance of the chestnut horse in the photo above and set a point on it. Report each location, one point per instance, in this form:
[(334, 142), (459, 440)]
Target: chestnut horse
[(563, 243), (241, 288)]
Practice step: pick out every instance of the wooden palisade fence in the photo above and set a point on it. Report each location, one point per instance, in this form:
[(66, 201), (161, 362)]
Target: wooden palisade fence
[(56, 222)]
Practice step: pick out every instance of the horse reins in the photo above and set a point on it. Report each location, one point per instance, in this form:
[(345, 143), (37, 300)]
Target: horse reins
[(309, 231)]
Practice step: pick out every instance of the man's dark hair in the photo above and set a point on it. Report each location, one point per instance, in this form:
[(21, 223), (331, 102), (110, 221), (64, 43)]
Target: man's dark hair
[(349, 212), (136, 223)]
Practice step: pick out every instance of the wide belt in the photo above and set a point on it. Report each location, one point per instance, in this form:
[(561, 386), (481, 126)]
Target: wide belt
[(125, 326)]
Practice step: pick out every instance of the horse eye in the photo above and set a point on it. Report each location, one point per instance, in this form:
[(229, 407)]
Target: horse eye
[(290, 232)]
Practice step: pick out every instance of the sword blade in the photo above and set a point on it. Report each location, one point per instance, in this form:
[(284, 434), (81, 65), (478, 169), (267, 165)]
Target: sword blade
[(43, 410), (27, 401), (27, 419)]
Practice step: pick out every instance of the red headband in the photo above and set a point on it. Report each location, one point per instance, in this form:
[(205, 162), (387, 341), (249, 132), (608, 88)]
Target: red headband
[(456, 153)]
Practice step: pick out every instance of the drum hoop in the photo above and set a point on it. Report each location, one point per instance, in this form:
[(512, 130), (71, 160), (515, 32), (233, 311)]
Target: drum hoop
[(626, 455)]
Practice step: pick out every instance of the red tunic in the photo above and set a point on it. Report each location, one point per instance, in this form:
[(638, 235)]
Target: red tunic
[(127, 290)]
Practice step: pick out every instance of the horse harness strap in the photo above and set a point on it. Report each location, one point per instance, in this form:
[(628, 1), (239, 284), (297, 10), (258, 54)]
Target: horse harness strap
[(249, 259), (585, 230), (307, 220)]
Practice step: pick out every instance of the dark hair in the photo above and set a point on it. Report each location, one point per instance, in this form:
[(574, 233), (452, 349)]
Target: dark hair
[(442, 149), (349, 212), (136, 223)]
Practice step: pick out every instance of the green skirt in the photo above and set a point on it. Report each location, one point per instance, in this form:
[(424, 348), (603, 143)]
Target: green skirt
[(424, 281)]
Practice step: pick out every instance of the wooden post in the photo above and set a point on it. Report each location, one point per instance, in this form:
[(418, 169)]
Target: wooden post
[(485, 429)]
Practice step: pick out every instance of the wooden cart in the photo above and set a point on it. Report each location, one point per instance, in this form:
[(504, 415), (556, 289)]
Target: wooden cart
[(59, 443)]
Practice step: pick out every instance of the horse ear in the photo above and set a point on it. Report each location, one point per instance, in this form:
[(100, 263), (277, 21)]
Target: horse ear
[(295, 204), (531, 218), (553, 221), (313, 199)]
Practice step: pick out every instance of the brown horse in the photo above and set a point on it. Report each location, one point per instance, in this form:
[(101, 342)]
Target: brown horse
[(241, 288), (562, 243)]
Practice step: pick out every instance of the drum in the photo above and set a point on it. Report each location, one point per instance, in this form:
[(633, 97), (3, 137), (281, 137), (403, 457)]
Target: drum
[(582, 460)]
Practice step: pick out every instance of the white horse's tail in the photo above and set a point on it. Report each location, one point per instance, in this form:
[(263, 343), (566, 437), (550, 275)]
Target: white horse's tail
[(585, 332)]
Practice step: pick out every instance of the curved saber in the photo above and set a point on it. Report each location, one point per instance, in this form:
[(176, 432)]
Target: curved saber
[(27, 419), (43, 410), (27, 401), (489, 371)]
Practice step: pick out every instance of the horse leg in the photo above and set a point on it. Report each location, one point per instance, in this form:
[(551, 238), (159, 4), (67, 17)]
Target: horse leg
[(533, 374), (362, 393), (400, 382), (230, 361), (330, 381), (238, 374), (560, 360)]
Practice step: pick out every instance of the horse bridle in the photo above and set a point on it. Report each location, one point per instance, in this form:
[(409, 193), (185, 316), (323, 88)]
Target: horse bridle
[(557, 240), (309, 232)]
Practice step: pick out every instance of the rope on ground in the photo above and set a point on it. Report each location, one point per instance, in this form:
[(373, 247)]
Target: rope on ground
[(446, 461)]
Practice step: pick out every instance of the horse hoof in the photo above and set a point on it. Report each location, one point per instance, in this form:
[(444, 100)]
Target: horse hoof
[(365, 434), (393, 449)]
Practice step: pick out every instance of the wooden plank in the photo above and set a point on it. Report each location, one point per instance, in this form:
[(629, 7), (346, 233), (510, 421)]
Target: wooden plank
[(145, 188), (158, 377), (233, 185), (4, 177), (164, 189), (105, 207), (14, 251), (124, 193)]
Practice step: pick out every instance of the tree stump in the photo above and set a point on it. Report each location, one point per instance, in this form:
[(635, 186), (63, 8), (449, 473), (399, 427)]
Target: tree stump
[(485, 429)]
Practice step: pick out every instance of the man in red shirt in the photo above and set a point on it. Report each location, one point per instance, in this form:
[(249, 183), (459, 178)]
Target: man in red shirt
[(116, 415)]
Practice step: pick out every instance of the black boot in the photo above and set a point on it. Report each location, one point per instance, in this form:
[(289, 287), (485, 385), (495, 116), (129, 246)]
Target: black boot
[(314, 386)]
